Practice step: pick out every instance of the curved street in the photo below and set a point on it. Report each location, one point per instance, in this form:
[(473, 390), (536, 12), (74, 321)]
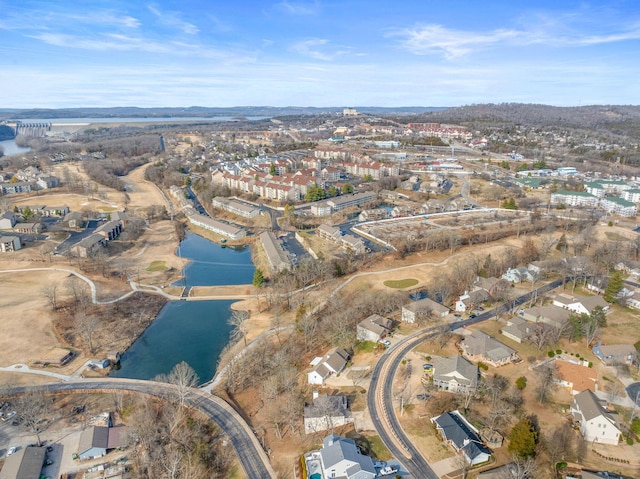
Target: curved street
[(380, 394), (252, 457)]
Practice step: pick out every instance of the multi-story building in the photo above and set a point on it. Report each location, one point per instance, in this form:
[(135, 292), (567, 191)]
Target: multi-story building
[(632, 195), (619, 206), (574, 198)]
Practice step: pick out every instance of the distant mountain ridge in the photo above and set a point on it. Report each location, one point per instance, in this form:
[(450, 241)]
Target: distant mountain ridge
[(198, 111)]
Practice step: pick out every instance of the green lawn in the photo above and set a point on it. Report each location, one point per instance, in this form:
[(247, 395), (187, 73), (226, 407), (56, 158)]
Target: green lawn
[(157, 266), (401, 283)]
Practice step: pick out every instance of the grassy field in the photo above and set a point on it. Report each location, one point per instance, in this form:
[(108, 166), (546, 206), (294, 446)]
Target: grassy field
[(400, 283), (157, 266)]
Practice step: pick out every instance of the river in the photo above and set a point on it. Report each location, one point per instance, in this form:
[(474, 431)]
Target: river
[(191, 331)]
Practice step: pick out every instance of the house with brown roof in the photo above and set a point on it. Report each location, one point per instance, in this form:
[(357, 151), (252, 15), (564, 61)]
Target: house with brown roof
[(96, 441), (479, 346), (551, 315), (575, 378), (373, 328), (517, 329)]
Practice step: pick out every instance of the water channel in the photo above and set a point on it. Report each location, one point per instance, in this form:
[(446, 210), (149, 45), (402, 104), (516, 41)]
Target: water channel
[(191, 331)]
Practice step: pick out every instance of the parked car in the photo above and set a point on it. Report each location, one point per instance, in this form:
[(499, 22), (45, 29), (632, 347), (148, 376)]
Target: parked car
[(385, 342), (457, 315), (426, 367), (473, 315), (387, 470), (379, 464), (12, 451), (480, 308), (8, 416), (423, 397)]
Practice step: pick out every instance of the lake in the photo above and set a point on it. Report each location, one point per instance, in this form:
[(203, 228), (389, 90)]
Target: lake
[(191, 331), (10, 147), (75, 121)]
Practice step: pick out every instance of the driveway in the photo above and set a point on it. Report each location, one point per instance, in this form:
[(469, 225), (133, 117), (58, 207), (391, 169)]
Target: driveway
[(76, 236)]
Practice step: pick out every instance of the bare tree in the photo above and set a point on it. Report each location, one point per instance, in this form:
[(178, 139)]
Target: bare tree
[(545, 384), (87, 325), (34, 408), (49, 291), (238, 321), (184, 378)]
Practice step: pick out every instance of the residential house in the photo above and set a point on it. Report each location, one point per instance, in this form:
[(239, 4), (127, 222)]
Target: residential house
[(54, 210), (470, 300), (580, 304), (455, 374), (325, 413), (74, 219), (492, 286), (341, 459), (89, 245), (17, 187), (518, 275), (109, 230), (427, 307), (517, 329), (28, 228), (329, 232), (616, 353), (459, 433), (332, 363), (10, 243), (96, 441), (574, 377), (353, 243), (373, 214), (551, 315), (479, 346), (597, 424), (373, 328), (25, 463), (236, 207), (46, 182), (7, 220)]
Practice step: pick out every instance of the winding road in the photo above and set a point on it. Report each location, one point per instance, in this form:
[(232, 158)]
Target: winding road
[(252, 457), (380, 394)]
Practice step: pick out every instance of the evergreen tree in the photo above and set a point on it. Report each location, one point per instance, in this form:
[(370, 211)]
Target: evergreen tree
[(616, 283), (523, 439), (258, 278), (347, 188), (272, 169), (562, 243)]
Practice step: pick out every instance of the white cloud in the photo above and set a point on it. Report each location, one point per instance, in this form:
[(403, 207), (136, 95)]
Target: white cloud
[(317, 48), (174, 20), (298, 8), (427, 39)]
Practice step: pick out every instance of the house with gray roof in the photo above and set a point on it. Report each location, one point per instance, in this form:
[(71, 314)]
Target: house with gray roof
[(479, 346), (580, 304), (426, 307), (470, 300), (616, 353), (597, 424), (25, 463), (331, 363), (325, 413), (341, 459), (373, 328), (551, 315), (459, 433), (517, 329), (455, 374)]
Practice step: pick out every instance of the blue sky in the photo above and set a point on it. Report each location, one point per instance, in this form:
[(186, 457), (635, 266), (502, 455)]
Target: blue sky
[(71, 53)]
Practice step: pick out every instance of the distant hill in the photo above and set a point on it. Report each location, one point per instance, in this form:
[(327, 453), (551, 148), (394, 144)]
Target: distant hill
[(200, 112)]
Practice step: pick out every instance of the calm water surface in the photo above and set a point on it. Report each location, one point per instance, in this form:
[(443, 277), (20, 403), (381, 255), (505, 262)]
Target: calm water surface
[(191, 331), (10, 147)]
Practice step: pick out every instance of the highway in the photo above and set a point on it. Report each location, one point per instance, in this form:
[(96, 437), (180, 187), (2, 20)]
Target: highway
[(253, 459), (380, 394)]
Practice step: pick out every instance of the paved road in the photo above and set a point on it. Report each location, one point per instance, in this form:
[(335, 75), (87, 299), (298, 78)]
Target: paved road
[(253, 459), (380, 398)]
